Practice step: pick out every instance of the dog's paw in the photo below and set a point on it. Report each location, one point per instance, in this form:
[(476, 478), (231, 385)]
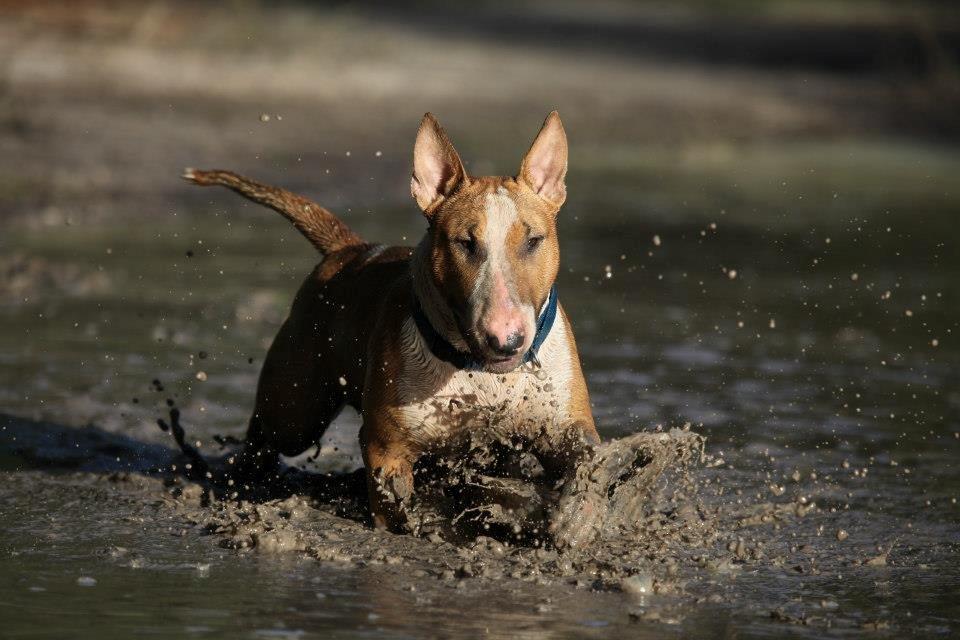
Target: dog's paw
[(577, 518), (392, 504), (578, 515)]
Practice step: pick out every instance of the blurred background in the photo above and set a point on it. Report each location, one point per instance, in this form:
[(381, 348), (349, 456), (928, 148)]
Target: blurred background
[(743, 134), (103, 101), (760, 237)]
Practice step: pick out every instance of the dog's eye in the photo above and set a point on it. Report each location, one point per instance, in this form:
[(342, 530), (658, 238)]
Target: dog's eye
[(469, 245), (534, 242)]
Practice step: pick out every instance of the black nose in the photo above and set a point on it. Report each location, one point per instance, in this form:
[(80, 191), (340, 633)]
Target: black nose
[(508, 348)]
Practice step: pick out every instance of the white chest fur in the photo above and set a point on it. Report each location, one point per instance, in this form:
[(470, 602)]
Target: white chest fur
[(438, 400)]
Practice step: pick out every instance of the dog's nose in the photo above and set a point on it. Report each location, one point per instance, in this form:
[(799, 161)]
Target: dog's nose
[(508, 347)]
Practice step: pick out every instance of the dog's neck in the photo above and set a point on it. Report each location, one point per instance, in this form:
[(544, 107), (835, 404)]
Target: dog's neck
[(435, 308)]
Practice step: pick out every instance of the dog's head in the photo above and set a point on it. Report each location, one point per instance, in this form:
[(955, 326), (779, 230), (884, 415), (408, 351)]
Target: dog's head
[(493, 240)]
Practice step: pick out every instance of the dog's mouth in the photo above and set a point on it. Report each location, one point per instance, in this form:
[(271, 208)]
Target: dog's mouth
[(497, 362), (503, 365), (503, 361), (490, 360), (494, 363)]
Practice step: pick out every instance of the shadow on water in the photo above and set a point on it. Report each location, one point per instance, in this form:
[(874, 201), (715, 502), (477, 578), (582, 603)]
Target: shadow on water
[(40, 445), (37, 445)]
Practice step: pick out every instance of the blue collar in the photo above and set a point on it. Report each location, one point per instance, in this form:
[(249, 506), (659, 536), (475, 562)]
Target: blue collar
[(445, 351)]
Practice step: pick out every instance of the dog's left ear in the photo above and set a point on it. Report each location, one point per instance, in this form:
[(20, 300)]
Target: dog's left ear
[(545, 166)]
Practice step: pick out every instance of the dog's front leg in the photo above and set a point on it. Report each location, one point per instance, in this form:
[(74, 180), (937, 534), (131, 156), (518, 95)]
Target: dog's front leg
[(389, 470), (564, 455)]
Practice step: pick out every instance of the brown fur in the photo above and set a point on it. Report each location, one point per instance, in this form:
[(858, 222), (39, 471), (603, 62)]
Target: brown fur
[(323, 229), (347, 340)]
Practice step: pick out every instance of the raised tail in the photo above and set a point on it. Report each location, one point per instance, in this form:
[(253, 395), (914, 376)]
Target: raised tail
[(323, 229)]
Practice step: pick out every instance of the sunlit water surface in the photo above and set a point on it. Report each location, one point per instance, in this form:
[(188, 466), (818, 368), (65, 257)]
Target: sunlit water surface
[(817, 361)]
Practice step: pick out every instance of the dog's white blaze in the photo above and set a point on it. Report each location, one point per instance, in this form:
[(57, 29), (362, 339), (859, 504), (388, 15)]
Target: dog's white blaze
[(438, 399), (501, 216)]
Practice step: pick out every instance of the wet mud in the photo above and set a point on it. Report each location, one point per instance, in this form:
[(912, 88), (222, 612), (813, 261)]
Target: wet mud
[(654, 519), (653, 528), (484, 497)]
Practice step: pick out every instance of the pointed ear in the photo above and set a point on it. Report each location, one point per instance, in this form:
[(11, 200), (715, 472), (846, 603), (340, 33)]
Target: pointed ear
[(437, 170), (545, 165)]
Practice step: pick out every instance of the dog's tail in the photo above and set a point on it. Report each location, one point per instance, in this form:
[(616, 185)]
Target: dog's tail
[(323, 229)]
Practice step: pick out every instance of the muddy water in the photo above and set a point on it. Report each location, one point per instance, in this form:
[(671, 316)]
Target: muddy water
[(820, 363)]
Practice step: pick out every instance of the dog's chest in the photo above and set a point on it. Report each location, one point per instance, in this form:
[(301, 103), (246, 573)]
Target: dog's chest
[(437, 400)]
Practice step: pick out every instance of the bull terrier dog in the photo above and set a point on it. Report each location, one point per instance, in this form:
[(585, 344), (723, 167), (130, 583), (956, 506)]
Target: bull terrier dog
[(463, 331)]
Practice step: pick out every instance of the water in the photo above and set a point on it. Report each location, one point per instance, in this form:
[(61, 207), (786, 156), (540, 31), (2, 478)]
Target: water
[(798, 366)]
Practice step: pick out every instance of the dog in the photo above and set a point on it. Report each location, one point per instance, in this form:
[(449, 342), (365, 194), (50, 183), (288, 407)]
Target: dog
[(463, 331)]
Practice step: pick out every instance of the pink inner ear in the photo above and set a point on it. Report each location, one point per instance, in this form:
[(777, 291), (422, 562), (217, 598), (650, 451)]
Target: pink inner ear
[(545, 165), (438, 172), (433, 174), (436, 166), (545, 172)]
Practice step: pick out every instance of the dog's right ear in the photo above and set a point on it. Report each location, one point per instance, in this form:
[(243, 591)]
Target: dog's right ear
[(437, 170)]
